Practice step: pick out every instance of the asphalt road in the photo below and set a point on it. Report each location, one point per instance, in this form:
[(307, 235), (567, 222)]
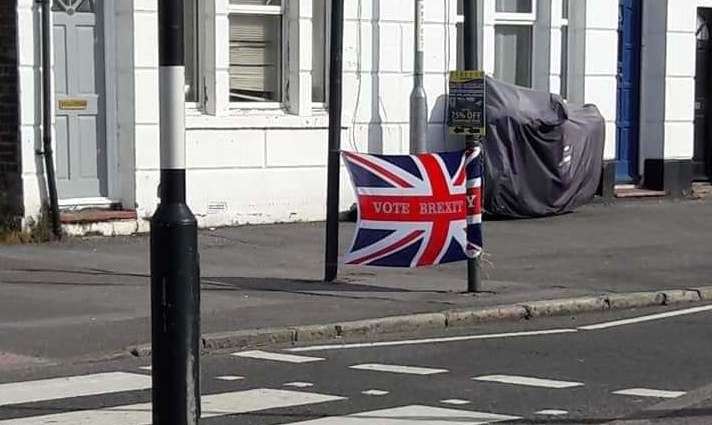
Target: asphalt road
[(571, 370)]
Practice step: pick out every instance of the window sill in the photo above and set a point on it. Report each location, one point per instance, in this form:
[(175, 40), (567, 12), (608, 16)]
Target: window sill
[(256, 120)]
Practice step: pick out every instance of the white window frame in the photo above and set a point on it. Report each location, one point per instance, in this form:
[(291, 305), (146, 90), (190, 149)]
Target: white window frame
[(241, 9), (295, 105), (195, 106), (558, 22), (513, 19)]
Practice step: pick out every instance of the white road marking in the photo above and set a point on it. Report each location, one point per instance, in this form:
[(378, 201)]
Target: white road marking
[(73, 386), (500, 335), (528, 381), (430, 340), (455, 401), (647, 392), (374, 392), (212, 405), (145, 367), (278, 357), (413, 415), (299, 384), (412, 370), (230, 378), (552, 412), (648, 318)]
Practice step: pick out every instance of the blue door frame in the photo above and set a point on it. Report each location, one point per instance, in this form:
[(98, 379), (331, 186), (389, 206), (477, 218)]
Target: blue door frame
[(628, 102)]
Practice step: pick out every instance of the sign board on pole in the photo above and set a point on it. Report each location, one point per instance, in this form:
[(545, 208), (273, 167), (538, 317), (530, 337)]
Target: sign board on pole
[(466, 103)]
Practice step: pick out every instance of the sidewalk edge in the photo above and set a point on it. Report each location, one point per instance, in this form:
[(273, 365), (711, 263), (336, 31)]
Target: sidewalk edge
[(443, 320)]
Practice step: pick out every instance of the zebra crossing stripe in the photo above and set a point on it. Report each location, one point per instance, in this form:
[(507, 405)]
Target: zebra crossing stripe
[(264, 355), (413, 415), (412, 370), (73, 386), (528, 381), (212, 406), (647, 392)]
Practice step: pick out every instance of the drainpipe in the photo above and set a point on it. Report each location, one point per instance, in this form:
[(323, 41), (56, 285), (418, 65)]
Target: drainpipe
[(47, 121)]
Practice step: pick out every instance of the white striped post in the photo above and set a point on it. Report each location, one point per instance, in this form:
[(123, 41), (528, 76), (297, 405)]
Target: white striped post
[(175, 271)]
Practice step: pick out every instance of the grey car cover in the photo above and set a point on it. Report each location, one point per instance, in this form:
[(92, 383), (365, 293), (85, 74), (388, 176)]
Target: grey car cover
[(542, 156)]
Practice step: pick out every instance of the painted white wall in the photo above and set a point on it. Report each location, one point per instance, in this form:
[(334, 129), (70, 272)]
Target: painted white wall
[(29, 43), (146, 107), (680, 79), (256, 166), (600, 70)]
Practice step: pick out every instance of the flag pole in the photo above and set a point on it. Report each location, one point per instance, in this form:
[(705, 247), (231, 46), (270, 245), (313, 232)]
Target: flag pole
[(474, 277), (331, 265)]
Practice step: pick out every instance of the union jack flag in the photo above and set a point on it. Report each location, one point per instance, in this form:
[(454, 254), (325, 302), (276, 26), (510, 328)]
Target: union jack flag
[(416, 210)]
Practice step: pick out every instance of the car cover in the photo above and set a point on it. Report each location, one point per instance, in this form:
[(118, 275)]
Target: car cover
[(542, 155)]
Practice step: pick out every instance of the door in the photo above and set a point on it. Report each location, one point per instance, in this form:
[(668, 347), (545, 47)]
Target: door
[(79, 85), (702, 154), (627, 120)]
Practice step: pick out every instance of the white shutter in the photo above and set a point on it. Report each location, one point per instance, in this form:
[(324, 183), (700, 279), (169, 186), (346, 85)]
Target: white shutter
[(255, 55)]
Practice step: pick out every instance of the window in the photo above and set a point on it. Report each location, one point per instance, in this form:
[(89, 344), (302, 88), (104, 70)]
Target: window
[(513, 54), (513, 43), (565, 9), (319, 48), (514, 6), (190, 46), (255, 50)]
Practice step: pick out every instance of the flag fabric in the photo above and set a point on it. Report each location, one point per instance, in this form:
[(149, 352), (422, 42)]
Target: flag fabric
[(416, 210)]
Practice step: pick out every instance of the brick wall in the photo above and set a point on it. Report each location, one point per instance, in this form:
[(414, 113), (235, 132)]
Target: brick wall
[(10, 180)]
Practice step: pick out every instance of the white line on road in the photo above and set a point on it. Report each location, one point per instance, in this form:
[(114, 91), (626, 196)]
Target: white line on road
[(264, 355), (413, 415), (73, 386), (412, 370), (230, 378), (647, 392), (299, 384), (374, 392), (528, 381), (455, 401), (552, 412), (430, 340), (213, 405), (648, 318)]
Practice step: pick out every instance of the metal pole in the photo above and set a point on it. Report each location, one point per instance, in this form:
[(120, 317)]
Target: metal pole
[(47, 110), (474, 278), (418, 98), (175, 270), (331, 265)]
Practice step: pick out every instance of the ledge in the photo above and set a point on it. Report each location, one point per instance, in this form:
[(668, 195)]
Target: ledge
[(94, 216), (257, 120)]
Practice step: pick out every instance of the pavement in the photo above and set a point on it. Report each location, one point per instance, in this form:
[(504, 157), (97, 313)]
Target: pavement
[(633, 367), (86, 298)]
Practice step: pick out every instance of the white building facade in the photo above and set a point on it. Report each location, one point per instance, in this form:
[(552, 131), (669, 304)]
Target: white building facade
[(257, 82)]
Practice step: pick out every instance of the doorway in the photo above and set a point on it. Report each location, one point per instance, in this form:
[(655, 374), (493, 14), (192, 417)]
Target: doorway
[(628, 96), (81, 148), (702, 154)]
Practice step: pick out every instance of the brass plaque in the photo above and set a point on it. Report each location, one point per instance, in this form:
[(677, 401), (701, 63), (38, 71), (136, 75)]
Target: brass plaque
[(73, 104)]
